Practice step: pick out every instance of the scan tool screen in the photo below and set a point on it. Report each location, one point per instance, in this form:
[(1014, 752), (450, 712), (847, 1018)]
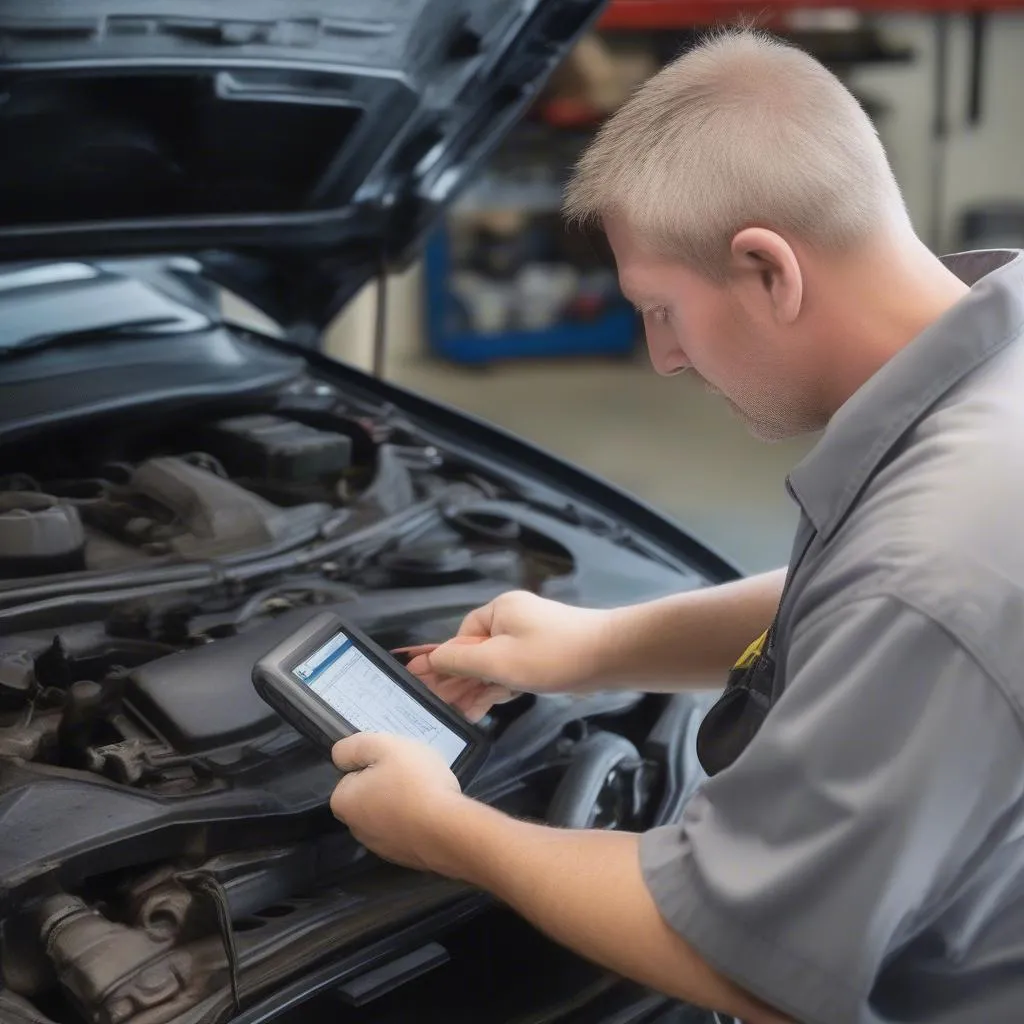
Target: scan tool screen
[(370, 700)]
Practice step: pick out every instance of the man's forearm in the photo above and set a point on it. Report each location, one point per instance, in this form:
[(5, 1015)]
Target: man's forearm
[(690, 639), (584, 889)]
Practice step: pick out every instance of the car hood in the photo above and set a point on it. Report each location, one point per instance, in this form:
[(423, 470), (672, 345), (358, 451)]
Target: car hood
[(294, 148)]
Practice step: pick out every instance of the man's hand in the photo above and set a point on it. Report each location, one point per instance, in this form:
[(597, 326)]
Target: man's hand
[(583, 888), (519, 642), (393, 795)]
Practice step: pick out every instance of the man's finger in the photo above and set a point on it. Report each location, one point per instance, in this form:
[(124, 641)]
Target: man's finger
[(344, 796), (475, 697), (441, 686), (482, 702), (359, 751), (452, 689), (464, 656), (478, 622), (420, 666), (415, 650)]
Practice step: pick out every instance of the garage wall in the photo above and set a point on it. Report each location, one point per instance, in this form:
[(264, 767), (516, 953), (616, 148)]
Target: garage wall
[(983, 163), (350, 337)]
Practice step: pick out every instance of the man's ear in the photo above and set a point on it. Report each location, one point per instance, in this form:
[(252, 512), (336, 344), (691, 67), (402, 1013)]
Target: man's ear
[(766, 260)]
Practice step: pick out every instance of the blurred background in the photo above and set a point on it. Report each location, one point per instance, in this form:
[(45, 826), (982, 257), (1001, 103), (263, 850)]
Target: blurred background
[(516, 319)]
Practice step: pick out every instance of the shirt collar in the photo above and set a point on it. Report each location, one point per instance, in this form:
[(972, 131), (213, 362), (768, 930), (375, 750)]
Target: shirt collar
[(830, 478)]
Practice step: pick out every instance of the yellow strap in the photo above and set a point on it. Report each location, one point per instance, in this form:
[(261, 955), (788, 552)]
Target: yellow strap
[(752, 652)]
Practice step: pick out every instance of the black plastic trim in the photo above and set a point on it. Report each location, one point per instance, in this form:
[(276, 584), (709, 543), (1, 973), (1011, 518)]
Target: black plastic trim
[(385, 204)]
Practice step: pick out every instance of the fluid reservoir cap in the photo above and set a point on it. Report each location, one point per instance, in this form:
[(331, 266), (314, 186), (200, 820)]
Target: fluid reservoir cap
[(38, 526), (17, 673)]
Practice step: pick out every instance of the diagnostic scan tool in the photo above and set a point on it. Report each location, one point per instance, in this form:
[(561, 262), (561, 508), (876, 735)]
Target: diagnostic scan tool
[(329, 681)]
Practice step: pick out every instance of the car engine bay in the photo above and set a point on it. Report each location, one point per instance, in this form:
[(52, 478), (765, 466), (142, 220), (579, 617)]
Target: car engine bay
[(179, 489), (167, 852)]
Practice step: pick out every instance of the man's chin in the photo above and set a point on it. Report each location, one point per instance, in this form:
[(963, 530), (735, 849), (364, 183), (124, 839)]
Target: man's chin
[(763, 430), (773, 433), (768, 433)]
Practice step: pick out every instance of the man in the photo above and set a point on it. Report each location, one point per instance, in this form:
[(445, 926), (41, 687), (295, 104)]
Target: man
[(857, 854)]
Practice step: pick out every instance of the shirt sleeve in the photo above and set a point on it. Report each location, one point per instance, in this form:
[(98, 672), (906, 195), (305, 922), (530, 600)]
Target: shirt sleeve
[(832, 838)]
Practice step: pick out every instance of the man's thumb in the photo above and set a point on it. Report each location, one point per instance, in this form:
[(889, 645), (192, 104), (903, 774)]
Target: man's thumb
[(473, 656), (356, 752)]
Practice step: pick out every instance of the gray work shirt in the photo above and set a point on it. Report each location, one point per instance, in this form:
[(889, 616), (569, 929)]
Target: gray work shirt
[(863, 858)]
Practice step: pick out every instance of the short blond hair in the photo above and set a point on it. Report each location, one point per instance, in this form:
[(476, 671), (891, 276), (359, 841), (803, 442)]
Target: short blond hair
[(743, 130)]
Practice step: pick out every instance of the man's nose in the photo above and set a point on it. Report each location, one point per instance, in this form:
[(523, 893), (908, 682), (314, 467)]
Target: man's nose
[(667, 361)]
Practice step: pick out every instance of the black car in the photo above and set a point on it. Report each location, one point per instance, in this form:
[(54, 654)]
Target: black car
[(178, 491)]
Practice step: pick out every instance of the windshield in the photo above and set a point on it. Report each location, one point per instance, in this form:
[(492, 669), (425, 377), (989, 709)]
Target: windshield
[(42, 304)]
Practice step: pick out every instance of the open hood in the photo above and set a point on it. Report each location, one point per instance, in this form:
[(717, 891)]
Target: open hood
[(294, 147)]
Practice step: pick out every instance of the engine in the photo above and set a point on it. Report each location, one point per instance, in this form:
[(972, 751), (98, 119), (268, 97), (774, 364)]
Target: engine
[(215, 489), (165, 848)]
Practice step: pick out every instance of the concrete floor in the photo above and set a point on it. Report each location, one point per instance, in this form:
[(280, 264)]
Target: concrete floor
[(665, 440)]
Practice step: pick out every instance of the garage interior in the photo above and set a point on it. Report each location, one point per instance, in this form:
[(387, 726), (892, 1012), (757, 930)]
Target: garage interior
[(180, 498), (945, 79)]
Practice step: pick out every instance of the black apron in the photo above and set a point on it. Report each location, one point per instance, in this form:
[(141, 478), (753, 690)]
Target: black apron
[(734, 720)]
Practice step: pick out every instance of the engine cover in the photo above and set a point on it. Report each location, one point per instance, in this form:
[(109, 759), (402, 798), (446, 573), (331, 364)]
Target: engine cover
[(202, 699)]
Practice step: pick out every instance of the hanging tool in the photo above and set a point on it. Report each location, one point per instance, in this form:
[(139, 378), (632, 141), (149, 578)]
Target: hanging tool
[(976, 76), (940, 130)]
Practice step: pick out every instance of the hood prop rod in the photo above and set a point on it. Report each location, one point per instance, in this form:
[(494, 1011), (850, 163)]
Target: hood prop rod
[(380, 332)]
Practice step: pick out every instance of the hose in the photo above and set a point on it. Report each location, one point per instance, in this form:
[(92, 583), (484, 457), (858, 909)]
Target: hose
[(114, 588), (336, 591), (576, 799)]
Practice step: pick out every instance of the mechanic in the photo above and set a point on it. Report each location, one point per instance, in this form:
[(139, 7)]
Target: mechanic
[(857, 851)]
